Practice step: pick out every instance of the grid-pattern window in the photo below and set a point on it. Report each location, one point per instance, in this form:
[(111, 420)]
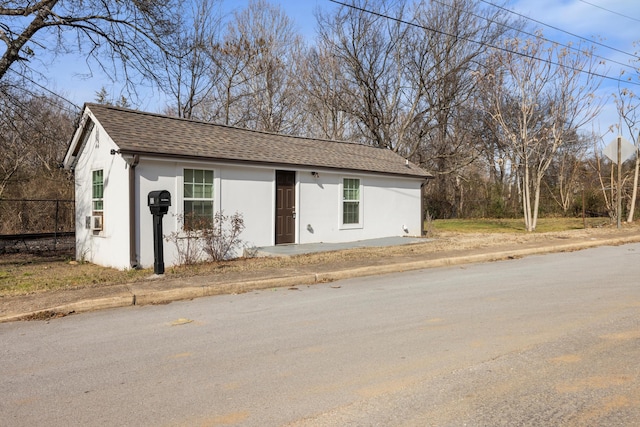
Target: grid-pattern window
[(351, 201), (97, 191), (198, 198)]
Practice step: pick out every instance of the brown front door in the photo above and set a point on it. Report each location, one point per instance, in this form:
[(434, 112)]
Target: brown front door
[(285, 207)]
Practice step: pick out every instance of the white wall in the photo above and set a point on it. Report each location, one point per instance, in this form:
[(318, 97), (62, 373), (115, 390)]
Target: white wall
[(153, 175), (246, 190), (388, 205), (108, 247), (251, 192)]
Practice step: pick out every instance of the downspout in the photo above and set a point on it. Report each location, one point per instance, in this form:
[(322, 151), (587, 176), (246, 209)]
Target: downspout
[(423, 231), (133, 258)]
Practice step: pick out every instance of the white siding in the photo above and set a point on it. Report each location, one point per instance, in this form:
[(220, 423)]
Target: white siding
[(389, 204), (246, 190), (152, 175), (251, 192), (109, 247)]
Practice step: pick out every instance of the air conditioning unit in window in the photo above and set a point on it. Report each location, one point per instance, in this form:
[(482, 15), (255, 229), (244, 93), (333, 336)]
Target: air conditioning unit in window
[(96, 223)]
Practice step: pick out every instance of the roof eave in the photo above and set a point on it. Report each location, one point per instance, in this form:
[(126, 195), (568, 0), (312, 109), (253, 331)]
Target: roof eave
[(78, 139), (425, 176)]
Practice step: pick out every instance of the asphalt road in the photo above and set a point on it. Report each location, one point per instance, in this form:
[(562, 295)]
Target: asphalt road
[(544, 340)]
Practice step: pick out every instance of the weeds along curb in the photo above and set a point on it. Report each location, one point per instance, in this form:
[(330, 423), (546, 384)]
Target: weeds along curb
[(254, 285), (470, 259), (177, 294)]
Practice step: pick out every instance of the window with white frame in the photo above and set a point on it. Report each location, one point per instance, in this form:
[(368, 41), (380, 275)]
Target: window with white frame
[(351, 201), (198, 198)]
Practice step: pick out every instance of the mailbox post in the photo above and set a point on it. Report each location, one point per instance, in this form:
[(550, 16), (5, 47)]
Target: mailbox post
[(158, 202)]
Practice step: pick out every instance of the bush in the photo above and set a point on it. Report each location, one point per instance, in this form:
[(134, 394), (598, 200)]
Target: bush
[(223, 238), (207, 239)]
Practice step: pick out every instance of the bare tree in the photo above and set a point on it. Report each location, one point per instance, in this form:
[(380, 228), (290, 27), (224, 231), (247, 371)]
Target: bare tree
[(230, 72), (607, 189), (449, 51), (566, 171), (322, 84), (541, 95), (369, 49), (408, 69), (256, 62), (190, 71), (628, 107), (122, 35), (33, 136)]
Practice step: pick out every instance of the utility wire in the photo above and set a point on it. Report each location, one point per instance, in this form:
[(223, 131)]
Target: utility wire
[(76, 108), (502, 49), (610, 11), (559, 29), (521, 31)]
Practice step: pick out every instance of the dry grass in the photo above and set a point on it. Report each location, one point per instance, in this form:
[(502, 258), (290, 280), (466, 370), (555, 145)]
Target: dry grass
[(25, 274)]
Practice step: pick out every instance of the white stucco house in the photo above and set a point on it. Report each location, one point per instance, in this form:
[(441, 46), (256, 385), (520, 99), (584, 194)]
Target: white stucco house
[(290, 190)]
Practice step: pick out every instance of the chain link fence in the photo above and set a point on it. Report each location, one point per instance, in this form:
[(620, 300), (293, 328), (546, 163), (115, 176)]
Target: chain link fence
[(36, 225)]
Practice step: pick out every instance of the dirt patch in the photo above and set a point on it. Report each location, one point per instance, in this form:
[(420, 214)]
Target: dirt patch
[(46, 315)]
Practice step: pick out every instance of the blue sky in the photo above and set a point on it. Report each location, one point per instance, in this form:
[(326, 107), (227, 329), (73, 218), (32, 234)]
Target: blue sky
[(585, 18), (589, 19), (68, 74)]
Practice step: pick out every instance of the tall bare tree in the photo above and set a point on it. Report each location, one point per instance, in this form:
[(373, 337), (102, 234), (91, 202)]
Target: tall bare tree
[(230, 72), (566, 171), (34, 132), (256, 62), (541, 94), (628, 106), (322, 84), (370, 49), (448, 51), (190, 70), (408, 69)]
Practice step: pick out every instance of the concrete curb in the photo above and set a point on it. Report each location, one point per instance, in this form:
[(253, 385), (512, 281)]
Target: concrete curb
[(143, 297), (469, 259), (74, 307)]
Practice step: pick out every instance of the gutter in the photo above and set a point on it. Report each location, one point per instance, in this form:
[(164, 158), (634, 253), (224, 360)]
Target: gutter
[(133, 258), (412, 172)]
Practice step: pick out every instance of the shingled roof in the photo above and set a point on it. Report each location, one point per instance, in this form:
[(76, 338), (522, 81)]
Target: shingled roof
[(153, 134)]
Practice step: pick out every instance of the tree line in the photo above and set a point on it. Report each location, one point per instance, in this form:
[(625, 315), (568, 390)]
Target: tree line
[(492, 108)]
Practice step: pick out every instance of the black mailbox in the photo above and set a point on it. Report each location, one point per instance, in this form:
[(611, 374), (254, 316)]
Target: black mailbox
[(159, 202)]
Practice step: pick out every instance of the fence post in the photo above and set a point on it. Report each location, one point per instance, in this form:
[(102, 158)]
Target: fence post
[(55, 230)]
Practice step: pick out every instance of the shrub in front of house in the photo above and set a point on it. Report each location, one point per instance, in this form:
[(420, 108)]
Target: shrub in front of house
[(204, 238)]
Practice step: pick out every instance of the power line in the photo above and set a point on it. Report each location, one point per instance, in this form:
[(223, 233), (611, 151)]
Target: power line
[(76, 107), (521, 31), (499, 48), (558, 29), (610, 11)]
